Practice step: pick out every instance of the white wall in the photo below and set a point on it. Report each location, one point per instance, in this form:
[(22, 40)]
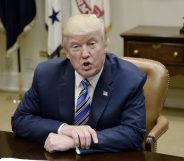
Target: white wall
[(125, 14)]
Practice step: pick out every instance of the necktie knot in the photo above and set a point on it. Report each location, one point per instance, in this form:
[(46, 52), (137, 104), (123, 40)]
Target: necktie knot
[(85, 83)]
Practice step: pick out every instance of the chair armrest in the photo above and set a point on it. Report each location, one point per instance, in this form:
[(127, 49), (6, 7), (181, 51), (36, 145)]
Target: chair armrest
[(160, 128)]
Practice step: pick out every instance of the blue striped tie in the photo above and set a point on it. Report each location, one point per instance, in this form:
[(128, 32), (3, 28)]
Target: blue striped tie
[(83, 105)]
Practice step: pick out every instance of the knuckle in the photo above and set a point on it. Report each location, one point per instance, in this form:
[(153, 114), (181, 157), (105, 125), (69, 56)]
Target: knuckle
[(87, 126)]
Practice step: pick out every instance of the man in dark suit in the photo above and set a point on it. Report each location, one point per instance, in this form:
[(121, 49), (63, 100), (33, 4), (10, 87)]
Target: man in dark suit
[(107, 116)]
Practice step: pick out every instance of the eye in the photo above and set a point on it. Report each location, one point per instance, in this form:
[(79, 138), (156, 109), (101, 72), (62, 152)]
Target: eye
[(92, 44), (75, 46)]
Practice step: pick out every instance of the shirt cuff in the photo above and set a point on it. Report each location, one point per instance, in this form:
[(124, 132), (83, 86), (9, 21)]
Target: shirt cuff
[(77, 150), (60, 128)]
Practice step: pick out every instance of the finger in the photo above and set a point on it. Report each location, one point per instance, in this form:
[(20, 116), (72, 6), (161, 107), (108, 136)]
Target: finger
[(81, 136), (87, 138), (47, 145), (93, 135), (76, 138), (50, 150)]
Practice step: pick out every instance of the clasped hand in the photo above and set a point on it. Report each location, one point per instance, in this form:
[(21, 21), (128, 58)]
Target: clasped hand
[(71, 137)]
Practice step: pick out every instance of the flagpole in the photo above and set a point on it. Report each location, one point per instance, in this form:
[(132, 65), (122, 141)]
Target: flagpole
[(19, 74), (19, 78)]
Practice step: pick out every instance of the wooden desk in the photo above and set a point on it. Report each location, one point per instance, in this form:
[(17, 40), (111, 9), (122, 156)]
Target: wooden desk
[(164, 44), (12, 146)]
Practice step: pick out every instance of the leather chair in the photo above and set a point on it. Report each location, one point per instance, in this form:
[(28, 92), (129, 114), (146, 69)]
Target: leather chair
[(155, 91)]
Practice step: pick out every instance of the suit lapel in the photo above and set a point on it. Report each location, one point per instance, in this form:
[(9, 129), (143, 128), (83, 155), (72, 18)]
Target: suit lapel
[(102, 94), (66, 94)]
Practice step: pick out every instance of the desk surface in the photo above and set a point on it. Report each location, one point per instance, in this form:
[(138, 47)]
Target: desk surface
[(12, 146)]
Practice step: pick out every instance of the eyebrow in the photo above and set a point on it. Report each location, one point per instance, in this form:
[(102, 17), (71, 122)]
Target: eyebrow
[(92, 39), (73, 43)]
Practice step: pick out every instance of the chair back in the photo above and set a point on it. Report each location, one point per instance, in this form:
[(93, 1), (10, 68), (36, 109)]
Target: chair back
[(155, 88)]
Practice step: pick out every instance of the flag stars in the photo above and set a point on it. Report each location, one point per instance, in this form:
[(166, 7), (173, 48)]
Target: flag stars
[(54, 15)]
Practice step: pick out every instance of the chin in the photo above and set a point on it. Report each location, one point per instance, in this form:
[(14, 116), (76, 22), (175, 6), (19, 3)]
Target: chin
[(87, 74)]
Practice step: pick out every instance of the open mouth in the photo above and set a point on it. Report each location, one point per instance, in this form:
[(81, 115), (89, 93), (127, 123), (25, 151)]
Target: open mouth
[(86, 64)]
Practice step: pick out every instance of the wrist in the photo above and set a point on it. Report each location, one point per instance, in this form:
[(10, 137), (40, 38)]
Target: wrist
[(66, 130), (60, 128)]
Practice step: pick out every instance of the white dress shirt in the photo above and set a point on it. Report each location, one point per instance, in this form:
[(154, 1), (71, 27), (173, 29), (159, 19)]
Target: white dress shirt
[(78, 87)]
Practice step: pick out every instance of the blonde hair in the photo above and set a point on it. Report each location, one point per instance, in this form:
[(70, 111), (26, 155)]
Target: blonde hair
[(82, 24)]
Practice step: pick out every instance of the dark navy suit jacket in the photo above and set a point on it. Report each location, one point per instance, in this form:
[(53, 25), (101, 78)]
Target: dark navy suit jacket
[(117, 111)]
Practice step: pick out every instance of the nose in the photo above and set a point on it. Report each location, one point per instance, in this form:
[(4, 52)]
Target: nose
[(85, 51)]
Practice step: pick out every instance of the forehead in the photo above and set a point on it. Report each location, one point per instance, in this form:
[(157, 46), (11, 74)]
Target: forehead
[(86, 37)]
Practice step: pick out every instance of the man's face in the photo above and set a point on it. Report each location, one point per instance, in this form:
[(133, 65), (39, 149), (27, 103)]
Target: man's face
[(86, 53)]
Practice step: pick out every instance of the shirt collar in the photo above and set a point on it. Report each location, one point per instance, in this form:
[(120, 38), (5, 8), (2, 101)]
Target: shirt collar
[(92, 80)]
